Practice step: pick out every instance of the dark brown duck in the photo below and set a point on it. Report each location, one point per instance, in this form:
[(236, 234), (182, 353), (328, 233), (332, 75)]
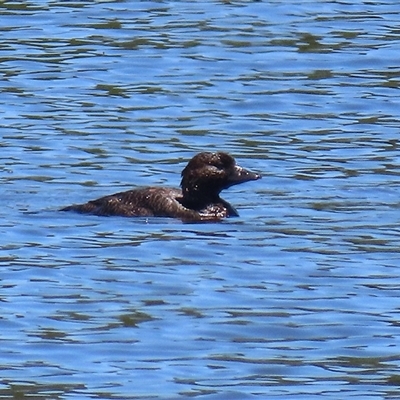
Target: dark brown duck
[(205, 176)]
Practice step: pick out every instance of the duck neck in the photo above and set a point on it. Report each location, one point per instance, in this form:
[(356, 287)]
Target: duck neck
[(199, 198)]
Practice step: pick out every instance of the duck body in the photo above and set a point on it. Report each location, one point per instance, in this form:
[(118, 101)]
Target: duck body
[(204, 177)]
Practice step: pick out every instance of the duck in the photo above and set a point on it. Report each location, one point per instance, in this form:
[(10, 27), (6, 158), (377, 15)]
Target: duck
[(198, 199)]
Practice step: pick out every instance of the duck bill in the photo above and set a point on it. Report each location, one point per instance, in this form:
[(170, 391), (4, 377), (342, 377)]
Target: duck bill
[(241, 175)]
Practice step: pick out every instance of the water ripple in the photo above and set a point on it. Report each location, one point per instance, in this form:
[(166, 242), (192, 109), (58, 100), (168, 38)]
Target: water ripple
[(297, 296)]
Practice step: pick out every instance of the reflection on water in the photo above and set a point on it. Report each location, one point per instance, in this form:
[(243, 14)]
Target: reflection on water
[(295, 298)]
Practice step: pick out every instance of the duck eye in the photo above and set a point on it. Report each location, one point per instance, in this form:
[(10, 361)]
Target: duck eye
[(220, 166)]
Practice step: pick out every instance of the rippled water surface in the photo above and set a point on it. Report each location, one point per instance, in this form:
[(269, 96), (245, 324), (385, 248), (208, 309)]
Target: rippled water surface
[(298, 297)]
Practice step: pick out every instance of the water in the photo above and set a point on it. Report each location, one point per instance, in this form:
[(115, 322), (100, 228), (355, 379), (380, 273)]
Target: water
[(298, 297)]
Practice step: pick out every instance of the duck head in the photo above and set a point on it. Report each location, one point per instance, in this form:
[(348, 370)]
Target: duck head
[(207, 174)]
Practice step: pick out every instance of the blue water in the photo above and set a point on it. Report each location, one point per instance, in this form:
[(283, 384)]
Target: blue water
[(298, 297)]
